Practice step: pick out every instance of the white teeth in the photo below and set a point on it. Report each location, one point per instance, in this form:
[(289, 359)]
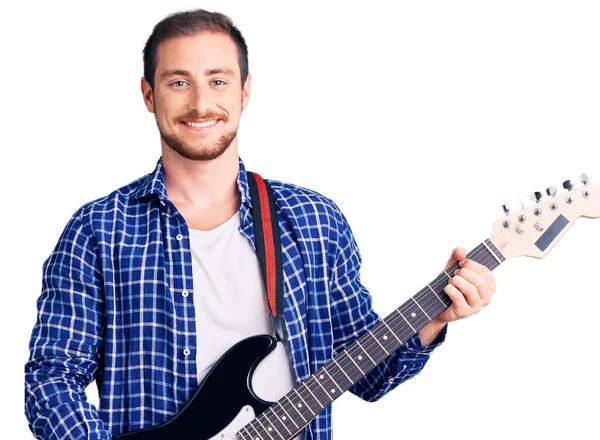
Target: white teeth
[(202, 124)]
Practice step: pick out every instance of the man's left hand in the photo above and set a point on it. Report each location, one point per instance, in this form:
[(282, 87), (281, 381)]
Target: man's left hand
[(470, 289)]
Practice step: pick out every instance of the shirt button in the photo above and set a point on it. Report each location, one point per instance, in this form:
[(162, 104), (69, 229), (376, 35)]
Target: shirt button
[(185, 293), (391, 380), (186, 352), (179, 237)]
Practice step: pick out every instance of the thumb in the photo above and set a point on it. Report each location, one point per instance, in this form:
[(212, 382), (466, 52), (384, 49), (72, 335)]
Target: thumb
[(457, 255)]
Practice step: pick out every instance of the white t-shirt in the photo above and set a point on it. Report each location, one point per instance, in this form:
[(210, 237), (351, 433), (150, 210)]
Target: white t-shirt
[(231, 305)]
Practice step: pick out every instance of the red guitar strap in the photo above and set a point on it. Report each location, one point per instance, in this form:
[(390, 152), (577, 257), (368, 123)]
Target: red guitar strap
[(268, 249)]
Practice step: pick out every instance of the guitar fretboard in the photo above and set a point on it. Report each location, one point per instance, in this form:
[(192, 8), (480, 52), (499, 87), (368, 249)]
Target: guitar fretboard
[(284, 419)]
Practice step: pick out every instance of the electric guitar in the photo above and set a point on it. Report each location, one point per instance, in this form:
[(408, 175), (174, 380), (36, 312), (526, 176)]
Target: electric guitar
[(225, 408)]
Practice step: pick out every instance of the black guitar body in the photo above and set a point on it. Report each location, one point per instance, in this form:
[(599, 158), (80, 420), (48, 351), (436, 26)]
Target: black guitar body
[(219, 398)]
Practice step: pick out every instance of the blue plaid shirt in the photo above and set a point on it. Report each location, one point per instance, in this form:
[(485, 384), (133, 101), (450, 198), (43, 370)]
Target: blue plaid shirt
[(113, 307)]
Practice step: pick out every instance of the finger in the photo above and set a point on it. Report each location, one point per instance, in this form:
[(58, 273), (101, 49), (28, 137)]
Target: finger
[(468, 290), (474, 278), (460, 306), (484, 288), (484, 272), (473, 265), (457, 255), (492, 283)]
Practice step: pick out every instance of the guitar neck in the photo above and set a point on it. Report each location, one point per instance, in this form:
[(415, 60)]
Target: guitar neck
[(290, 414)]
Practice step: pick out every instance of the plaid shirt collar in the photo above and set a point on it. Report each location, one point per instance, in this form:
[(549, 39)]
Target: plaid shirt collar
[(154, 184)]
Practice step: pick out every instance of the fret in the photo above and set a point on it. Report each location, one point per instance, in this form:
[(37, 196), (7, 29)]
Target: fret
[(382, 333), (271, 421), (357, 366), (350, 371), (377, 340), (329, 379), (415, 316), (392, 332), (255, 435), (436, 295), (267, 430), (365, 352), (297, 410), (432, 302), (333, 381), (319, 400), (409, 320), (438, 291), (344, 370), (406, 320), (245, 436), (421, 308), (437, 286), (299, 405), (322, 387), (287, 416), (309, 390), (281, 424)]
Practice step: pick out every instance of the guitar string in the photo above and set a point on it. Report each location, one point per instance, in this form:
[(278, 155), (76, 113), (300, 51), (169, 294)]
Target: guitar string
[(372, 342), (369, 344), (394, 319), (318, 401), (335, 380)]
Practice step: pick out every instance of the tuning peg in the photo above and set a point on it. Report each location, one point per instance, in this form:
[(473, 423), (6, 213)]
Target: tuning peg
[(584, 179), (536, 197), (506, 209), (522, 203), (568, 185), (551, 191)]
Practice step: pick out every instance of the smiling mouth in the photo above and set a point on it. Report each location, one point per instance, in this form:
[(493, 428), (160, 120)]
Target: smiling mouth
[(201, 125)]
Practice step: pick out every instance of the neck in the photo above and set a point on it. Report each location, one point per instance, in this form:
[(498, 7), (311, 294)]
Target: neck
[(201, 184), (303, 403)]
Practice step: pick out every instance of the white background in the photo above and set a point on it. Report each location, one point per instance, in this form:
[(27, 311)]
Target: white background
[(420, 119)]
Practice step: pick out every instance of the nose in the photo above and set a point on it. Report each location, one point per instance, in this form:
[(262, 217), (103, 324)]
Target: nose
[(199, 99)]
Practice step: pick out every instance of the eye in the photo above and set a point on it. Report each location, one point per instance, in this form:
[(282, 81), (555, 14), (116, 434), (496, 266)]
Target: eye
[(219, 81), (174, 83)]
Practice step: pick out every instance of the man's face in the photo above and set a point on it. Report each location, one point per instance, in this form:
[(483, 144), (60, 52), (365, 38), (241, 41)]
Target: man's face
[(198, 98)]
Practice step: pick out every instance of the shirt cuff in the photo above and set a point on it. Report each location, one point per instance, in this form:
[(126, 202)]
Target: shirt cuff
[(414, 345)]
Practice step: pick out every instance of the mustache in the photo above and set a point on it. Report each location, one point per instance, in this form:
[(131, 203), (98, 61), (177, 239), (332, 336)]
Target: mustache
[(194, 116)]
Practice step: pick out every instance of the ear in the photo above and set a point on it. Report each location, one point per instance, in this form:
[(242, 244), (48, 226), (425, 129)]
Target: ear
[(246, 92), (147, 95)]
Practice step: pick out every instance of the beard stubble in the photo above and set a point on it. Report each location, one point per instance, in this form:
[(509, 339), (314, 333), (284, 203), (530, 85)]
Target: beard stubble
[(198, 152)]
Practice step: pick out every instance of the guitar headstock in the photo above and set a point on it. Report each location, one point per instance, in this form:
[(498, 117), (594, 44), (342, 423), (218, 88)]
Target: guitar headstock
[(534, 231)]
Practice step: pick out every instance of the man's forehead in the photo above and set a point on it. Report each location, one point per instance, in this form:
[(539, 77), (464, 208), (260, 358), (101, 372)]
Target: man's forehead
[(206, 53)]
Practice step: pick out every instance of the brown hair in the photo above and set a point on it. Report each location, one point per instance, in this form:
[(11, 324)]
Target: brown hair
[(188, 23)]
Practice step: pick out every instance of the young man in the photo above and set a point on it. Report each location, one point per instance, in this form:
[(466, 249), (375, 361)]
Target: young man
[(150, 285)]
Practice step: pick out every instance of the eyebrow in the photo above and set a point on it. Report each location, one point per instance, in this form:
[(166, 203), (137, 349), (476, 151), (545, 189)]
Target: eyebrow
[(207, 72)]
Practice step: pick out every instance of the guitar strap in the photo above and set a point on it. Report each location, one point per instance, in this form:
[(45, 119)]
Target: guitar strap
[(268, 249)]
